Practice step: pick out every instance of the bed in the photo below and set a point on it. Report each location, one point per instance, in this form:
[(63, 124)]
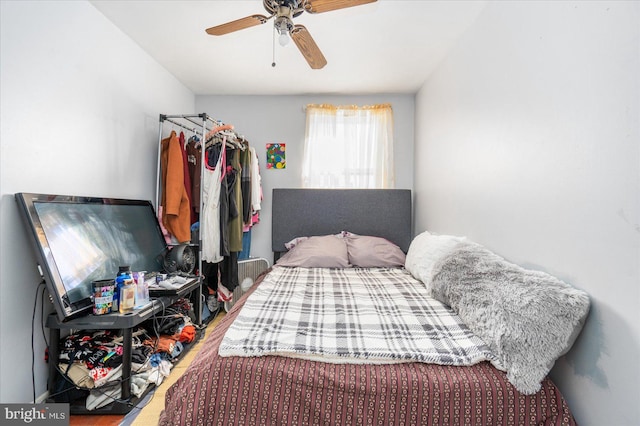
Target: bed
[(228, 384)]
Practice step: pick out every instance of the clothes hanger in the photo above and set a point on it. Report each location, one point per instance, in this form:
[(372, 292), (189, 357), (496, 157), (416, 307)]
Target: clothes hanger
[(217, 129), (194, 139)]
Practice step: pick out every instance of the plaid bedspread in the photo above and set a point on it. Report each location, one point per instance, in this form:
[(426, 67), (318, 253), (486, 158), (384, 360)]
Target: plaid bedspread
[(352, 315)]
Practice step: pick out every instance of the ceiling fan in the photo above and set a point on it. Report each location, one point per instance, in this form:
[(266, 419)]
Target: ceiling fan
[(284, 11)]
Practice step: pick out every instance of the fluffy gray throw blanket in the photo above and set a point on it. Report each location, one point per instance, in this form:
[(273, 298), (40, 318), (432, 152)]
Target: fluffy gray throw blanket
[(528, 318)]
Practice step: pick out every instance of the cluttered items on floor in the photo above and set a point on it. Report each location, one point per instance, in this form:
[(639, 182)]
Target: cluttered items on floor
[(90, 362)]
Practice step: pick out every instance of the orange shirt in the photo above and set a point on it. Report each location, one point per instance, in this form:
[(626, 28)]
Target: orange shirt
[(176, 209)]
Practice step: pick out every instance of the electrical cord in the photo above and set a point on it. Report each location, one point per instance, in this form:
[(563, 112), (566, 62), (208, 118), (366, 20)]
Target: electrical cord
[(42, 317)]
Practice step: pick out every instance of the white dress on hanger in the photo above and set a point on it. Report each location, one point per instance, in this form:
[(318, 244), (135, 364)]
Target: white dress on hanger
[(210, 216)]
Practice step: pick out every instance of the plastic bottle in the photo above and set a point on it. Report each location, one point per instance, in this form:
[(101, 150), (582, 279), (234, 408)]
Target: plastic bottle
[(142, 290), (126, 289), (115, 304)]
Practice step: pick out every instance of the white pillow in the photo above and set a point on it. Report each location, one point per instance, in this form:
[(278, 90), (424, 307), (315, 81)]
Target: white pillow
[(425, 250)]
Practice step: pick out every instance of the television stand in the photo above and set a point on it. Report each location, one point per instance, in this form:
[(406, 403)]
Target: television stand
[(115, 321)]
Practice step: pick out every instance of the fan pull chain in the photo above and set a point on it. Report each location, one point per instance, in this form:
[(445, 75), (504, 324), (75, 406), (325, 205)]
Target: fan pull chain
[(273, 64)]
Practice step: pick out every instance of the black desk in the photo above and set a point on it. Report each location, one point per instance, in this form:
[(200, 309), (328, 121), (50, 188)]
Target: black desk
[(114, 321)]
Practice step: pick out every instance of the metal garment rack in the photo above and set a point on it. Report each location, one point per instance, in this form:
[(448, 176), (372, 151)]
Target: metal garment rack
[(198, 124)]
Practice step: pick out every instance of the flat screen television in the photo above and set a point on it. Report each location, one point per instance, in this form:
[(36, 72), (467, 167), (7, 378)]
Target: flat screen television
[(78, 240)]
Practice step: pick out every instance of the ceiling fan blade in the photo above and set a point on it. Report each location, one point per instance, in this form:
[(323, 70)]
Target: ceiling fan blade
[(319, 6), (308, 47), (238, 24)]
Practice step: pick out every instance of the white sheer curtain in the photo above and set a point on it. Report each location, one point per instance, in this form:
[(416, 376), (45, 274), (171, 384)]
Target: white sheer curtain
[(348, 147)]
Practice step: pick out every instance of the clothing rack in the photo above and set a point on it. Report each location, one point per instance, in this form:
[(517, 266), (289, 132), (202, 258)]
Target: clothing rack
[(201, 125), (195, 130)]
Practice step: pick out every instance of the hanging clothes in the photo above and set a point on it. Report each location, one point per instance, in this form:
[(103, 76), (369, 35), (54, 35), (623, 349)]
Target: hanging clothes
[(176, 210), (194, 155), (224, 195), (235, 195), (246, 245), (210, 217), (228, 277), (187, 175), (210, 275), (223, 218), (245, 185), (256, 188), (230, 223)]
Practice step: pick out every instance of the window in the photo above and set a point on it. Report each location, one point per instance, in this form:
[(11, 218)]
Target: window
[(348, 147)]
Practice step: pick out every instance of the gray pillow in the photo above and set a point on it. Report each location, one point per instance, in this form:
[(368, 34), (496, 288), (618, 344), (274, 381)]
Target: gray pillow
[(528, 318), (327, 251), (373, 252)]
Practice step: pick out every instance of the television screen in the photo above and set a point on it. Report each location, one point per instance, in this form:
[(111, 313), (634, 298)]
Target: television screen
[(82, 239)]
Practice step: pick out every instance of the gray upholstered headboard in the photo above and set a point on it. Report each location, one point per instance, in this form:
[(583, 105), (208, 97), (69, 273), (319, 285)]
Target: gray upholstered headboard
[(306, 212)]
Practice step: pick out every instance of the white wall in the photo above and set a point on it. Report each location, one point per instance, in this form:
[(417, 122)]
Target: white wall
[(268, 119), (80, 106), (527, 141)]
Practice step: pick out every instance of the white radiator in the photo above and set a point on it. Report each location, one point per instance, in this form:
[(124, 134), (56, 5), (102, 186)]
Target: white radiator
[(247, 268)]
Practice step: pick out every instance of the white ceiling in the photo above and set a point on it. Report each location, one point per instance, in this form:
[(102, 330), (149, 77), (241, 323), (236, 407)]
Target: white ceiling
[(389, 46)]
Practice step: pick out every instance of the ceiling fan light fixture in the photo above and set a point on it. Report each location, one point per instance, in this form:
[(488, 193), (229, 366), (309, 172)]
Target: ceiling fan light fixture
[(283, 25), (283, 39), (284, 11)]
